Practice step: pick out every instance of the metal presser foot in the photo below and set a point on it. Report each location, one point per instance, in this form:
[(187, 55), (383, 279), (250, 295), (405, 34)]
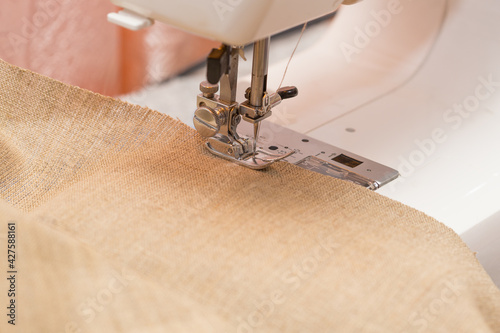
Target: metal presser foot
[(218, 116)]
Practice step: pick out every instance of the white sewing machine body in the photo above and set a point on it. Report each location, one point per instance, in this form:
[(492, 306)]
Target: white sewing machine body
[(414, 85), (233, 22)]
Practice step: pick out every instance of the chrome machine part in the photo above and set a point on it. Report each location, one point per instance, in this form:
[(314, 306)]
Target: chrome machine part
[(218, 116), (259, 72), (320, 157), (208, 121)]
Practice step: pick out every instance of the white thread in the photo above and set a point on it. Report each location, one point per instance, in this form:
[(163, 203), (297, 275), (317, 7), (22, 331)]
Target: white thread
[(295, 49)]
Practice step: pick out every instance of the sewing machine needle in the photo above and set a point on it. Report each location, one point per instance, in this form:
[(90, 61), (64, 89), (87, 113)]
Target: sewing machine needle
[(256, 128)]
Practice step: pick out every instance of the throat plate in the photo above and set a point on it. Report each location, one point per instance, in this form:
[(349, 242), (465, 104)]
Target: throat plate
[(320, 157)]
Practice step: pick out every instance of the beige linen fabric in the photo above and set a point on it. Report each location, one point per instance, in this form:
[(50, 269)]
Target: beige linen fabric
[(126, 224)]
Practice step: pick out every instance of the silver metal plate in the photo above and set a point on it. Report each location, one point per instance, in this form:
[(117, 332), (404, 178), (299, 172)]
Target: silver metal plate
[(320, 157)]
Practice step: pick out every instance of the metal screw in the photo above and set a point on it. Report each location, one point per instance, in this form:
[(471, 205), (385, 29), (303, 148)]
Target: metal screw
[(206, 121), (208, 89), (236, 120), (247, 93)]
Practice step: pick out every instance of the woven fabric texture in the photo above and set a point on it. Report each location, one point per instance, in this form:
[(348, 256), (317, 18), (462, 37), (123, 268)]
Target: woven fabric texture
[(126, 224)]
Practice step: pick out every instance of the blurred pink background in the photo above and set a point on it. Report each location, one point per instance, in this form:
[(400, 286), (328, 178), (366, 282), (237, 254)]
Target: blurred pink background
[(72, 41)]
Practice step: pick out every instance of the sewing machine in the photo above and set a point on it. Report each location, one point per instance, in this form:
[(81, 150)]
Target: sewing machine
[(414, 86), (237, 23)]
